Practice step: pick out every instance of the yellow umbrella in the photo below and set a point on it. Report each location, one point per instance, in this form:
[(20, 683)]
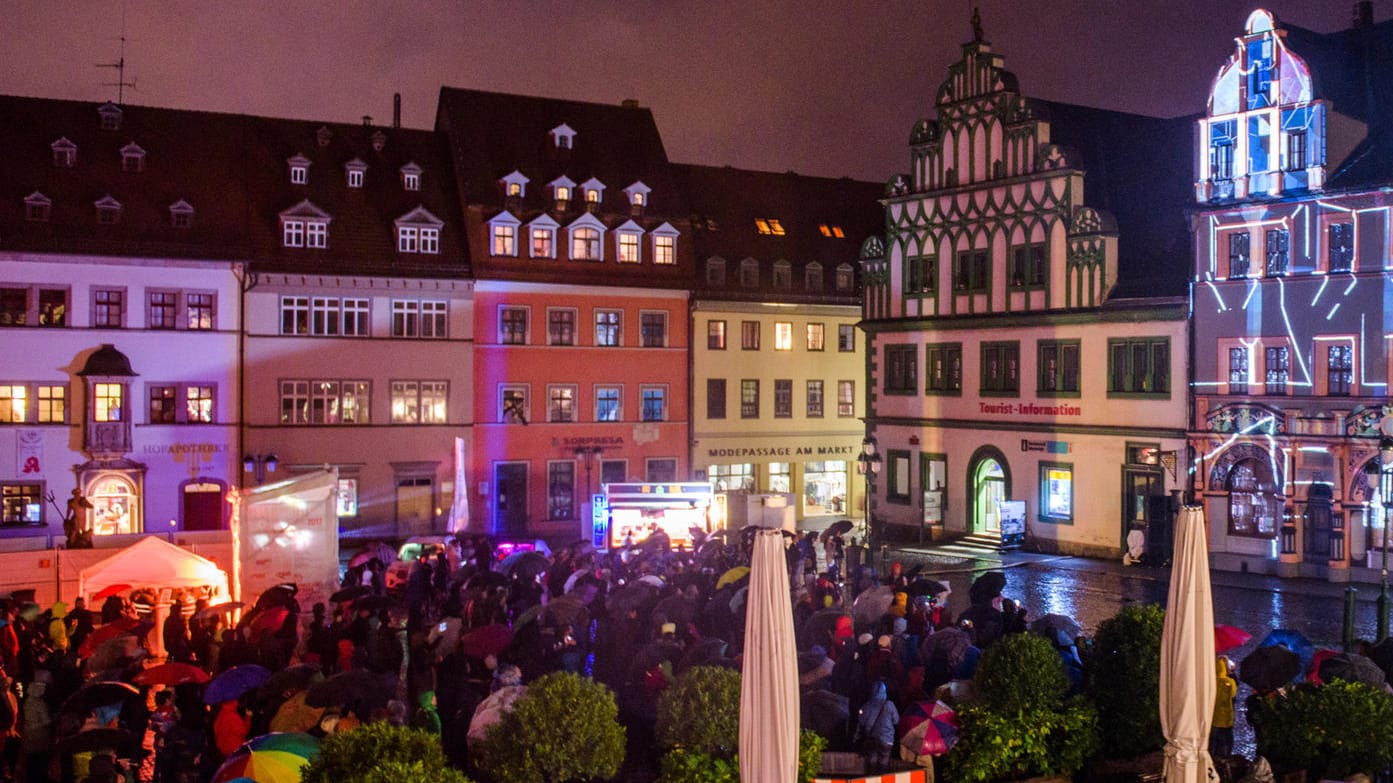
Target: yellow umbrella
[(733, 575), (295, 715)]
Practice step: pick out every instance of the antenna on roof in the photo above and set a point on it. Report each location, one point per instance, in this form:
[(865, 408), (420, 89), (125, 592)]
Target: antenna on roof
[(120, 65)]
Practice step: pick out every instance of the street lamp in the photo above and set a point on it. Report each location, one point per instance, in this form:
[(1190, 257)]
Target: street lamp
[(260, 465), (587, 454), (870, 465), (1384, 470)]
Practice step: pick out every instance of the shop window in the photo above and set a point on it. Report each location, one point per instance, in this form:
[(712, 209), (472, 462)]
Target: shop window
[(1056, 492), (732, 478), (1253, 501), (113, 507), (824, 488), (780, 476), (933, 481)]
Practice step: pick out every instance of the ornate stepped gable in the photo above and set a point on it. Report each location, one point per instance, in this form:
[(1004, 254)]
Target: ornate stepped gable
[(991, 218)]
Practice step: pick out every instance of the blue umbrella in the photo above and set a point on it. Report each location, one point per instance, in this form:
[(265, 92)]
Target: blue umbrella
[(234, 682), (1294, 641)]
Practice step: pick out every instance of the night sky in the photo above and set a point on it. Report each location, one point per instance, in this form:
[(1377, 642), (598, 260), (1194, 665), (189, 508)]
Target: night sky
[(825, 87)]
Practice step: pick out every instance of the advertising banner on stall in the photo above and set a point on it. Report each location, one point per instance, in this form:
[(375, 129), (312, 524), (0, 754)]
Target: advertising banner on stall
[(288, 532)]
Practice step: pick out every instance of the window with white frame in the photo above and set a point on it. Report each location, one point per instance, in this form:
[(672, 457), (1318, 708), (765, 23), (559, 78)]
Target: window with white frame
[(430, 240), (561, 326), (411, 177), (299, 170), (653, 329), (293, 233), (132, 158), (512, 325), (608, 405), (561, 402), (846, 399), (181, 403), (628, 247), (505, 240), (324, 401), (109, 308), (585, 244), (316, 234), (654, 403), (609, 328), (355, 170), (664, 250), (543, 242), (513, 404), (33, 403), (423, 318), (408, 239), (330, 316), (64, 153), (419, 402)]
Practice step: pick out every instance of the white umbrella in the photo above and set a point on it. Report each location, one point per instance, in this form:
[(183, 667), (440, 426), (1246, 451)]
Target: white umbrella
[(769, 682), (1187, 655)]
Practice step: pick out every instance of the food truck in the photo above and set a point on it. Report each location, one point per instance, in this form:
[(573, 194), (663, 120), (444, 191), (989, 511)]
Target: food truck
[(627, 514)]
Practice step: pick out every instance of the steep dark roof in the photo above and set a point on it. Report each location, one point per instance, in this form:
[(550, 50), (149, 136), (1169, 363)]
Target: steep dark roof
[(1138, 168), (232, 170), (726, 202)]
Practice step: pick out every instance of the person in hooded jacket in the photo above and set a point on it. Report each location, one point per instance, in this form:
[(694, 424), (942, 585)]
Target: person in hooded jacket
[(876, 724), (36, 729), (58, 627)]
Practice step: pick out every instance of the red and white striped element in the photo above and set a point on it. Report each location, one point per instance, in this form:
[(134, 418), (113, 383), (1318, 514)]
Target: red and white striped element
[(912, 776)]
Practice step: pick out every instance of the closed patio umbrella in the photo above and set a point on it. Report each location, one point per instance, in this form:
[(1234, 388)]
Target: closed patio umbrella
[(769, 716), (1187, 656)]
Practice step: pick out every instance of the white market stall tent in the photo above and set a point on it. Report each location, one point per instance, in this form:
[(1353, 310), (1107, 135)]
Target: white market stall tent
[(155, 563)]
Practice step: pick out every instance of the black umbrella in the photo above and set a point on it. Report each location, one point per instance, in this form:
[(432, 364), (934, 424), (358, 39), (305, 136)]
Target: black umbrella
[(925, 586), (350, 593), (838, 528), (525, 565), (280, 595), (986, 587), (943, 654), (294, 678), (358, 688), (633, 597), (1271, 667), (119, 741), (825, 713), (1382, 654), (1352, 667), (820, 628), (98, 693), (375, 602), (1059, 629)]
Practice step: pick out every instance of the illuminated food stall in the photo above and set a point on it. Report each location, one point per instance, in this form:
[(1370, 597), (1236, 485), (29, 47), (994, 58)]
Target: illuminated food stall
[(627, 514)]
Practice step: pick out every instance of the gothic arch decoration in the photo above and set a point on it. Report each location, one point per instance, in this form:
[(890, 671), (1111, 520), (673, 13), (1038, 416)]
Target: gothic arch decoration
[(1221, 466), (1246, 418)]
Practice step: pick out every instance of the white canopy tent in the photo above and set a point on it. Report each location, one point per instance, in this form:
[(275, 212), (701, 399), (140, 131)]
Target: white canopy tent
[(155, 563)]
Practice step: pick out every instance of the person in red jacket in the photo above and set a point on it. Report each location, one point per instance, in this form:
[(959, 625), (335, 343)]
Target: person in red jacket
[(230, 727)]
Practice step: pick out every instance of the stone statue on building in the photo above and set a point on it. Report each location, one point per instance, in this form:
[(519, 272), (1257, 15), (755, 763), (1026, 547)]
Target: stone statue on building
[(77, 525)]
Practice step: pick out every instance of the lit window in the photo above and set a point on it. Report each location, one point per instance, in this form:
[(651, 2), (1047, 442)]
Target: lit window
[(22, 503), (513, 405), (512, 326), (783, 336), (762, 226), (585, 244), (815, 337), (1056, 492), (14, 403), (592, 196), (664, 250), (608, 328), (504, 241), (715, 335), (107, 401), (561, 403), (749, 335), (1339, 366), (628, 248), (769, 227), (543, 243), (515, 189), (561, 327), (418, 402), (563, 195), (654, 399), (198, 311), (607, 403), (325, 401), (846, 398), (1341, 247), (198, 404)]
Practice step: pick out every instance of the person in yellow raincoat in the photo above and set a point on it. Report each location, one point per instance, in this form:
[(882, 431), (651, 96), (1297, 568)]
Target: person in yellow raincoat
[(1225, 692)]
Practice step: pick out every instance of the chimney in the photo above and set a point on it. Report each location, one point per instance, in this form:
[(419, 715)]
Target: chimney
[(629, 103), (367, 120), (396, 110), (1363, 14)]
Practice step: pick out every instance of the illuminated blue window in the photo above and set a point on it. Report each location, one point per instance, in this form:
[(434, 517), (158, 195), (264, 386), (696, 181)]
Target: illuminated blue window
[(1260, 73), (1221, 141), (1259, 144)]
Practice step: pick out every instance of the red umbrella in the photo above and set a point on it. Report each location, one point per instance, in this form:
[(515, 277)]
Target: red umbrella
[(1227, 637), (171, 674), (106, 632), (929, 728), (270, 619), (1317, 658), (486, 640), (109, 591)]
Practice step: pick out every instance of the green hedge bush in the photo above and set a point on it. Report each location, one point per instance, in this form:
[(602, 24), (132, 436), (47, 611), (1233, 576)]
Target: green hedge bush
[(1332, 730), (1020, 672), (996, 746), (700, 712), (565, 728), (379, 752), (1123, 678)]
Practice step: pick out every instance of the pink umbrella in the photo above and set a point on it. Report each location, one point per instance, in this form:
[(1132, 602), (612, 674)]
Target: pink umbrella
[(929, 728)]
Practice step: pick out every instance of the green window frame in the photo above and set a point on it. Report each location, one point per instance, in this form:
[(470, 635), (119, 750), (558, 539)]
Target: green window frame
[(901, 369), (1139, 367), (921, 274), (1001, 369), (1057, 368), (898, 481), (1056, 493), (943, 369), (972, 272), (1030, 266)]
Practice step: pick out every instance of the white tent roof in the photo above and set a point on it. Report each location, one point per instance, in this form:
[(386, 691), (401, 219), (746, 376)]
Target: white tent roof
[(152, 562)]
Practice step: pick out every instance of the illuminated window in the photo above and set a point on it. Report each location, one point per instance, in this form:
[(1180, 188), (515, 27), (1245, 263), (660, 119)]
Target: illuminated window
[(607, 403), (543, 243), (53, 307), (585, 244), (14, 403), (749, 398), (1341, 247), (419, 402), (664, 250), (515, 189), (715, 398), (1253, 501), (513, 405), (1339, 364), (324, 401), (198, 311), (561, 403), (783, 336), (1056, 492), (1277, 367), (563, 195), (846, 399), (198, 404), (628, 248), (592, 196), (608, 328), (769, 227), (162, 406), (1238, 370), (831, 230), (114, 507), (762, 226), (21, 503), (107, 401), (715, 335), (512, 326), (505, 241), (815, 337)]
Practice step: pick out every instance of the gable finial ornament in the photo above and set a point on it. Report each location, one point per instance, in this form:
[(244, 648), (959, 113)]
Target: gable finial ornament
[(976, 24)]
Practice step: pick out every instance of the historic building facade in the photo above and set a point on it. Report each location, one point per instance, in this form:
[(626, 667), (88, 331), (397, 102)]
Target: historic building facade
[(1016, 390), (1291, 300), (778, 361)]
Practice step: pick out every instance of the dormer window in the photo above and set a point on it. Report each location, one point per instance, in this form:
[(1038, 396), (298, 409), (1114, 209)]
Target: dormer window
[(831, 230), (715, 272), (37, 206), (109, 116), (812, 277), (64, 153), (355, 169), (108, 211), (503, 235), (305, 225), (593, 191), (541, 237), (664, 245), (749, 273), (586, 237), (132, 157), (411, 177), (783, 275), (562, 191), (845, 277), (562, 136), (637, 196), (418, 231), (299, 169), (181, 214), (626, 240), (769, 227), (514, 189)]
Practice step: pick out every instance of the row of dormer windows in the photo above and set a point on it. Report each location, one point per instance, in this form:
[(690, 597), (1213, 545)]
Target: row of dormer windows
[(564, 190), (585, 239), (355, 172), (782, 275), (38, 208), (65, 155), (307, 226)]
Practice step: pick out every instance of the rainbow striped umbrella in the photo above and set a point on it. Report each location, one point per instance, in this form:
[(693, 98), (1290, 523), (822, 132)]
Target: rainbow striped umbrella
[(270, 758)]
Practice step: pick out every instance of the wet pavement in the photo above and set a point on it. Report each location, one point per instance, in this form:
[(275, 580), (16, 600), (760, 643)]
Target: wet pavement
[(1091, 591)]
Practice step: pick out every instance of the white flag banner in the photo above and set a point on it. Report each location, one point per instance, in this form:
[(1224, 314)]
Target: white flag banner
[(30, 456)]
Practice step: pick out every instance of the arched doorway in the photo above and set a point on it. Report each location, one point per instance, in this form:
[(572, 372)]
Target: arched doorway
[(115, 506), (989, 481)]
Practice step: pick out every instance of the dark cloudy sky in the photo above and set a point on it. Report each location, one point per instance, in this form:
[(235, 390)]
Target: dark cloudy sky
[(827, 87)]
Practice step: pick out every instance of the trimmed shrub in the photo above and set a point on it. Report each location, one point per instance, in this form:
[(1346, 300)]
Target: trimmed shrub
[(1123, 678), (683, 766), (1020, 672), (1332, 731), (379, 752), (1038, 741), (700, 712), (565, 728)]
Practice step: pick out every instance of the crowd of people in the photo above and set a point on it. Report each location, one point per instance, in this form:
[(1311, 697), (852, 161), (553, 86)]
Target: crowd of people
[(450, 640)]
